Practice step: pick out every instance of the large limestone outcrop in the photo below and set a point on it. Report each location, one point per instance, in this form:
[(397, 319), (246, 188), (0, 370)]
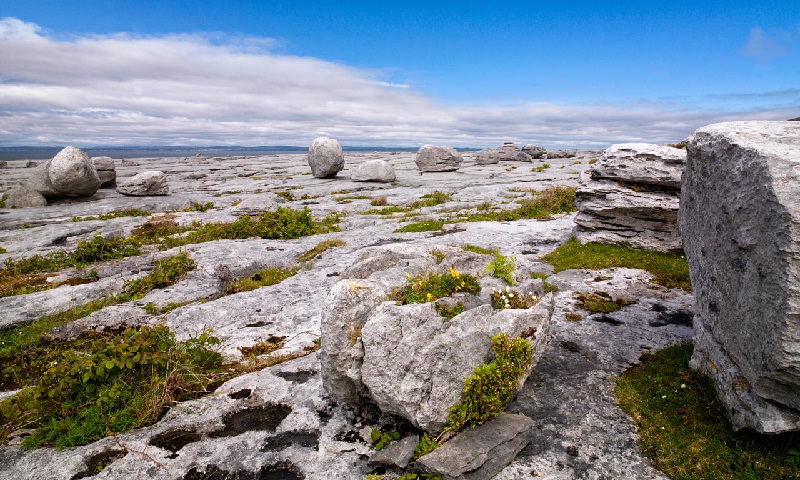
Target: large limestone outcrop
[(740, 220), (632, 196), (431, 158), (325, 157), (509, 151), (143, 184), (408, 359), (22, 196), (106, 171), (69, 173)]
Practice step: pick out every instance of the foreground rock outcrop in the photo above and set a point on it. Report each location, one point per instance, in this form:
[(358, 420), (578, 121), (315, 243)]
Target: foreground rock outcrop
[(740, 219), (632, 196), (23, 196), (325, 157), (106, 171), (70, 173), (432, 158), (408, 359), (374, 171)]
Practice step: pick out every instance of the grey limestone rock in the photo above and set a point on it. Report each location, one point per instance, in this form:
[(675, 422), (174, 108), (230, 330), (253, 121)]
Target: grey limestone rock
[(325, 157), (534, 151), (144, 184), (69, 173), (432, 158), (510, 151), (374, 171), (642, 163), (561, 153), (415, 361), (256, 205), (24, 197), (632, 197), (3, 164), (482, 452), (106, 171), (397, 454), (740, 217), (487, 156)]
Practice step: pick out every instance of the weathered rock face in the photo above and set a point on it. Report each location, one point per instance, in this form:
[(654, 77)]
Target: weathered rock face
[(325, 157), (24, 197), (256, 205), (438, 159), (3, 164), (510, 151), (374, 171), (69, 173), (144, 184), (740, 217), (487, 156), (106, 171), (561, 153), (534, 151), (480, 453), (408, 359), (632, 196)]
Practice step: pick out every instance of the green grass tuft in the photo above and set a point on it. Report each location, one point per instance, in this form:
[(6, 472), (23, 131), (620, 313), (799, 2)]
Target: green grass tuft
[(433, 286), (601, 302), (670, 269), (135, 212), (423, 226), (684, 430), (262, 278), (321, 248), (477, 249), (501, 266)]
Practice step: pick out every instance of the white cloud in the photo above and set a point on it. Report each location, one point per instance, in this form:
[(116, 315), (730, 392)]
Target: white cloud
[(216, 90), (762, 46)]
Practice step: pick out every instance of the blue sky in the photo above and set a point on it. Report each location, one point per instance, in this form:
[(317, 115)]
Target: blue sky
[(391, 73)]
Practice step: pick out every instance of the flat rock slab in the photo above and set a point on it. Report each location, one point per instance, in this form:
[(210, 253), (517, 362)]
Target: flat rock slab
[(479, 453), (398, 454)]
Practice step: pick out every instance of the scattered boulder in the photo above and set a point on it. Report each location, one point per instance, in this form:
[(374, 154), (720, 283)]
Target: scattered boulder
[(632, 196), (23, 197), (3, 164), (534, 151), (487, 156), (479, 453), (69, 173), (740, 218), (561, 153), (510, 151), (31, 164), (106, 171), (431, 158), (144, 184), (374, 171), (325, 157)]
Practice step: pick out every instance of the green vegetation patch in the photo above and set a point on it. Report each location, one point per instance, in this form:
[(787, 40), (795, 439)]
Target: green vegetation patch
[(382, 439), (601, 302), (489, 389), (542, 206), (199, 207), (501, 266), (512, 299), (135, 212), (320, 248), (433, 286), (670, 269), (449, 311), (262, 278), (477, 249), (112, 384), (541, 168), (166, 273), (684, 430), (423, 226), (548, 287)]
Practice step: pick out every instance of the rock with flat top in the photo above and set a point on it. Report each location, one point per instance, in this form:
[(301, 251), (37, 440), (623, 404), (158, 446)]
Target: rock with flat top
[(325, 157), (487, 156), (396, 454), (144, 184), (641, 164), (432, 158), (106, 171), (374, 171), (740, 220), (482, 452), (69, 173), (511, 152), (534, 151), (22, 196)]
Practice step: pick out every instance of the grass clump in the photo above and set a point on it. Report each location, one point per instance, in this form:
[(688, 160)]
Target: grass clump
[(449, 311), (433, 286), (438, 255), (382, 439), (501, 266), (477, 249), (134, 212), (379, 201), (388, 210), (166, 273), (199, 207), (321, 248), (601, 302), (489, 389), (541, 168), (423, 226), (262, 278), (542, 206), (114, 384), (287, 195), (684, 430), (670, 269), (430, 200), (548, 287)]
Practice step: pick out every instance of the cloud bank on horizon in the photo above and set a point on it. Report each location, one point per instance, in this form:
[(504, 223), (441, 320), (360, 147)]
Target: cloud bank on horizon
[(201, 89)]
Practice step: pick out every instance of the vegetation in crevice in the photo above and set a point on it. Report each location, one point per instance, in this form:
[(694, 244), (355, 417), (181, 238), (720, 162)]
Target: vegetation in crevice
[(543, 205), (501, 266), (512, 299), (319, 249), (489, 389), (548, 287), (134, 212), (683, 427), (262, 278), (670, 269), (433, 286), (601, 302), (423, 226)]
